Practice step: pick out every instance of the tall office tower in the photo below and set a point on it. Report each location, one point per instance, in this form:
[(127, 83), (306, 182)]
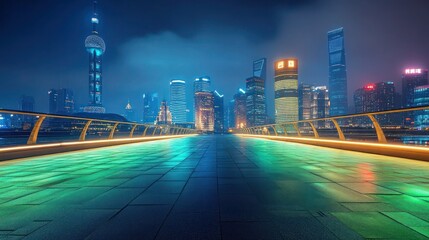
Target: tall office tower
[(219, 119), (387, 99), (96, 47), (204, 111), (305, 100), (256, 113), (286, 90), (27, 103), (53, 101), (202, 84), (240, 109), (365, 99), (320, 103), (150, 107), (411, 79), (421, 98), (260, 68), (385, 96), (65, 103), (129, 114), (230, 115), (178, 100), (164, 116), (337, 72)]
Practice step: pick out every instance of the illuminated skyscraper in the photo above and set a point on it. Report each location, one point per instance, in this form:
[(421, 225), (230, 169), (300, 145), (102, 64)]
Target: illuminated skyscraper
[(365, 99), (230, 115), (240, 109), (61, 101), (202, 84), (96, 47), (421, 98), (178, 100), (286, 90), (260, 68), (256, 113), (219, 120), (204, 111), (337, 72), (321, 103), (412, 78), (164, 115), (53, 99), (150, 107), (305, 100)]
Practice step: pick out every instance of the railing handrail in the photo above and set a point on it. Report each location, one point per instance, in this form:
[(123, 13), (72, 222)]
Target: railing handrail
[(399, 110), (42, 116), (49, 115), (371, 115)]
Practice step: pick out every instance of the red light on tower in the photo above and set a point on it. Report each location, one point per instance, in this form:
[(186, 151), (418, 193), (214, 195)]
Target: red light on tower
[(369, 87)]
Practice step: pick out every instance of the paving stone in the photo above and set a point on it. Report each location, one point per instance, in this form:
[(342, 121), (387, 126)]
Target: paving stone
[(214, 187)]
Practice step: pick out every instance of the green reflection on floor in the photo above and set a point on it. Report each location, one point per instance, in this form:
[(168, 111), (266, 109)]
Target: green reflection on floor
[(375, 196)]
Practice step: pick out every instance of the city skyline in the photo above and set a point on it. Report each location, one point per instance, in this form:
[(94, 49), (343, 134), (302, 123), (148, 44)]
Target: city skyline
[(133, 84)]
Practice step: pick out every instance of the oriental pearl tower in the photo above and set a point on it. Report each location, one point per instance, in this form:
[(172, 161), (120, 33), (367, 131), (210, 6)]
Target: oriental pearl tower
[(96, 47)]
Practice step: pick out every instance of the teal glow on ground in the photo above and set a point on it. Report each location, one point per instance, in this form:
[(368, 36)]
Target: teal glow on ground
[(214, 187)]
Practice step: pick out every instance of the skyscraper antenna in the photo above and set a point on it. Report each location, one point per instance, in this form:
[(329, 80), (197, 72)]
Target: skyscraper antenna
[(94, 18)]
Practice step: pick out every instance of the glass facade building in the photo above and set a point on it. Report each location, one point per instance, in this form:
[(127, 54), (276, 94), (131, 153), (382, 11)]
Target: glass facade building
[(202, 84), (164, 116), (204, 111), (240, 109), (150, 107), (286, 90), (61, 101), (260, 68), (305, 100), (421, 98), (256, 113), (337, 73), (219, 125), (178, 100), (412, 78)]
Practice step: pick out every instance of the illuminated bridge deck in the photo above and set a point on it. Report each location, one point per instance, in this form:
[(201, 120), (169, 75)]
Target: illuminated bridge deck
[(214, 187)]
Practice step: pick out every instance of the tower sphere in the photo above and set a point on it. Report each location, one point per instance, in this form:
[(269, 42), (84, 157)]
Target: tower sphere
[(95, 43)]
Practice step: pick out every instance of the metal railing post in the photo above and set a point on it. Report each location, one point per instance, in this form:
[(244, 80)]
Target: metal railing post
[(295, 125), (380, 134), (284, 129), (274, 128), (339, 131), (132, 130), (316, 134), (145, 130), (154, 130), (84, 130), (112, 132), (35, 132)]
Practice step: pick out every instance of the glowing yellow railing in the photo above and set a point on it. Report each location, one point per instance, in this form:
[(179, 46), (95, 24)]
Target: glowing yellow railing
[(157, 130), (281, 128)]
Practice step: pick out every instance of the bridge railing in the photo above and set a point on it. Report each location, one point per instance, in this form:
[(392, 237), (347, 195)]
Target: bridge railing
[(20, 127), (408, 125)]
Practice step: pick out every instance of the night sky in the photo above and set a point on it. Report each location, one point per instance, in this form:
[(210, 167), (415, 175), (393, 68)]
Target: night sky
[(151, 42)]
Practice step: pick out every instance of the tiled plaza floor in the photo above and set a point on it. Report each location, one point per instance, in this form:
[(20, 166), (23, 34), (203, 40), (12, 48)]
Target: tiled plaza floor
[(214, 187)]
